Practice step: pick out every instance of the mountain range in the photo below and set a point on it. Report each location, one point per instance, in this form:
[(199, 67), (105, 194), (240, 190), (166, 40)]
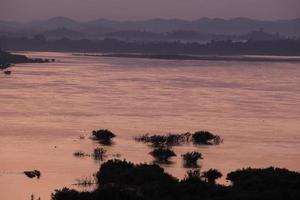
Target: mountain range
[(61, 26)]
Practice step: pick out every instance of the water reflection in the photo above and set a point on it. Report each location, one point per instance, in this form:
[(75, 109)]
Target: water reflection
[(254, 107)]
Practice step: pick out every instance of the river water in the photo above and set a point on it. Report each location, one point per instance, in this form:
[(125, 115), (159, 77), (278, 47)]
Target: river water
[(253, 106)]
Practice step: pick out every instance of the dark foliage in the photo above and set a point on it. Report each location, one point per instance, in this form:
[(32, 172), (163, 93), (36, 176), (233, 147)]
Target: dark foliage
[(212, 175), (122, 180), (99, 153), (164, 140), (269, 183), (104, 136), (33, 174), (69, 194), (80, 154), (205, 137), (269, 178), (190, 158), (162, 154)]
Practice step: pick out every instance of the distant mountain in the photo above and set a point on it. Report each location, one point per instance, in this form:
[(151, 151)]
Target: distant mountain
[(63, 32), (100, 27)]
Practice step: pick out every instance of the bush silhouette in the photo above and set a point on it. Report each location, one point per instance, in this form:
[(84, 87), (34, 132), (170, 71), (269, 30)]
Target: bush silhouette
[(264, 179), (162, 154), (212, 175), (164, 140), (104, 136), (123, 180), (191, 158), (205, 137), (99, 153)]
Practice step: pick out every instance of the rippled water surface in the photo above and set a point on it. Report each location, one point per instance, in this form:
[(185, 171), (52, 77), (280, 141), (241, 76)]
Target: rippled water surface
[(254, 107)]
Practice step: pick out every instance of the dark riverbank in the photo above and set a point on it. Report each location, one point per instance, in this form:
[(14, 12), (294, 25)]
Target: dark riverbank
[(7, 59), (204, 58)]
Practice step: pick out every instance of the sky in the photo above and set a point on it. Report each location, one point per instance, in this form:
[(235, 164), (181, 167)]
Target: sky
[(84, 10)]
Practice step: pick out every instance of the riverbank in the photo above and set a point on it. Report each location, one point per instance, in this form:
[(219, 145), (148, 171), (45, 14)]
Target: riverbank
[(241, 58), (7, 59)]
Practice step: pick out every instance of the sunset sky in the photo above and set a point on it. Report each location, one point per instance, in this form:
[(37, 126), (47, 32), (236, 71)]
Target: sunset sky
[(25, 10)]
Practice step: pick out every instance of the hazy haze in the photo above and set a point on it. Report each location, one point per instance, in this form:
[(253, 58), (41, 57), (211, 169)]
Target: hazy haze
[(24, 10)]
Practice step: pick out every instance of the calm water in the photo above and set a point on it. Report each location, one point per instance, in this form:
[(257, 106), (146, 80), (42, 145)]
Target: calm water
[(254, 107)]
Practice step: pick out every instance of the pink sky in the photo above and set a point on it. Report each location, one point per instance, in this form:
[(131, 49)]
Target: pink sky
[(24, 10)]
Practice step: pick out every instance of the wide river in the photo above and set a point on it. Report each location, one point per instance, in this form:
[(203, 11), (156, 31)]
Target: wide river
[(253, 106)]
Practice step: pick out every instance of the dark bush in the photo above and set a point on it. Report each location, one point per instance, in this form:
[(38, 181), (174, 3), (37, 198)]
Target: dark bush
[(162, 154), (80, 154), (99, 153), (263, 179), (104, 136), (191, 158), (122, 180), (144, 180), (205, 137), (164, 140), (212, 175), (69, 194)]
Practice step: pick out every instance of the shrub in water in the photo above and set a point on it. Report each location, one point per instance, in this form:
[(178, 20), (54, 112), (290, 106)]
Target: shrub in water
[(190, 158), (104, 136), (162, 154)]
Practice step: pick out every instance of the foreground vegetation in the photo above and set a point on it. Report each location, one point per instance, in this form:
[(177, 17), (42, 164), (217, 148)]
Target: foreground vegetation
[(169, 140), (123, 180)]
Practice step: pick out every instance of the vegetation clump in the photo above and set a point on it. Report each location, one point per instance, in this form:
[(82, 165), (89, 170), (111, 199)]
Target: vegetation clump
[(190, 158), (264, 179), (162, 154), (206, 138), (99, 153), (212, 175), (104, 136), (80, 154), (169, 140), (164, 140), (85, 182), (123, 180), (33, 174)]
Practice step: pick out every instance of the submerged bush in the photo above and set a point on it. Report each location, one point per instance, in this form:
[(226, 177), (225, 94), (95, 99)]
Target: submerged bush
[(85, 182), (80, 154), (99, 153), (190, 158), (164, 140), (162, 154), (104, 136), (205, 137)]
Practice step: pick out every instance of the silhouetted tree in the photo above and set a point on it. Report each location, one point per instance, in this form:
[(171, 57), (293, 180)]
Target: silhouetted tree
[(162, 154), (212, 175), (191, 158), (203, 137)]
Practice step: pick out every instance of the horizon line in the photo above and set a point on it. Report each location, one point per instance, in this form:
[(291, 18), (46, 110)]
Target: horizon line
[(149, 19)]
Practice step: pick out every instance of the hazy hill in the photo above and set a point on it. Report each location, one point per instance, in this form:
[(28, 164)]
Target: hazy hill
[(100, 27)]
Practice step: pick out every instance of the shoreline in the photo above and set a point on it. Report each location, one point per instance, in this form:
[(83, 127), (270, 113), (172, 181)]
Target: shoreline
[(241, 58)]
